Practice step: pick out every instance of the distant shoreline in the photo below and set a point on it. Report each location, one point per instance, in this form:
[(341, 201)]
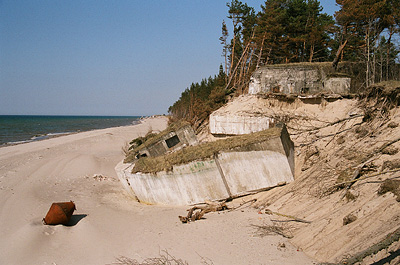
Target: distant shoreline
[(21, 129)]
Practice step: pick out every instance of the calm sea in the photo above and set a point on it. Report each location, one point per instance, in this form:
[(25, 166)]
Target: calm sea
[(15, 129)]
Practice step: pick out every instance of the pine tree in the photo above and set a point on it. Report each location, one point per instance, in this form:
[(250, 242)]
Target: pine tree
[(225, 45), (364, 21)]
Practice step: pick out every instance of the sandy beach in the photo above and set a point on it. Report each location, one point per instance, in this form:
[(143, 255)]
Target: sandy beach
[(108, 223)]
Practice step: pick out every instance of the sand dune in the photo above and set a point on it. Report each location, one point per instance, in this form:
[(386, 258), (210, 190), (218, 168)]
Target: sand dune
[(108, 223)]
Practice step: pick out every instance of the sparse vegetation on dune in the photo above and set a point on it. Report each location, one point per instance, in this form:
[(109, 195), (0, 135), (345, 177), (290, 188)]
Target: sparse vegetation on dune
[(201, 151), (347, 178)]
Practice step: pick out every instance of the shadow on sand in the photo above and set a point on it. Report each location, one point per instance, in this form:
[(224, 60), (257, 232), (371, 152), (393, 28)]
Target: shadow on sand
[(75, 219)]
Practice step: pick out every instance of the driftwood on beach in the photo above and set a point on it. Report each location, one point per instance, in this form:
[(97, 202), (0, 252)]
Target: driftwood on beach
[(197, 212)]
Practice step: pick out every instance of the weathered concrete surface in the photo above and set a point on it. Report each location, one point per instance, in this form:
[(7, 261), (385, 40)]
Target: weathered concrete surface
[(170, 142), (238, 124), (258, 169), (199, 181), (229, 173), (236, 119), (185, 184), (338, 85), (297, 79)]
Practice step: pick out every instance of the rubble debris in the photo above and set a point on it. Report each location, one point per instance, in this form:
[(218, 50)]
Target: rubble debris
[(390, 185), (99, 177), (340, 140), (59, 213), (349, 219), (281, 245), (351, 195), (390, 150), (392, 124), (391, 164)]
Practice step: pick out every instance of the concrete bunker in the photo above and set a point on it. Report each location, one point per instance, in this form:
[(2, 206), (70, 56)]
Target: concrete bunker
[(311, 83), (170, 140), (298, 78), (212, 171)]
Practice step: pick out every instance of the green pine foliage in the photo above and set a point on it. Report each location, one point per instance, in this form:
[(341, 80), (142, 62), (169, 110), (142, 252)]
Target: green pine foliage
[(198, 101), (296, 31)]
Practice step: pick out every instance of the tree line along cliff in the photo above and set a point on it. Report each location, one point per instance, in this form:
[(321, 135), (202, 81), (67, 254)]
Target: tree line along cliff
[(297, 31)]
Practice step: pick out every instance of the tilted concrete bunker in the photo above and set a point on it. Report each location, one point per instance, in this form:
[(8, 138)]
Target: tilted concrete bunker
[(232, 167), (169, 141)]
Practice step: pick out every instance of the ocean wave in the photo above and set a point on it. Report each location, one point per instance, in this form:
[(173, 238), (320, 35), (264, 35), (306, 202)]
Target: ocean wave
[(17, 142), (37, 138), (48, 135), (59, 134)]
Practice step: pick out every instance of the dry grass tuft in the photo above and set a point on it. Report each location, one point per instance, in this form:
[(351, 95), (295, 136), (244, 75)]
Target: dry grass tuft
[(267, 230), (164, 259)]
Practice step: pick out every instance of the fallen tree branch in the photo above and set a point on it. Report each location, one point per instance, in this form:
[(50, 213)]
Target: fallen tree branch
[(194, 215), (383, 244), (360, 256), (267, 211)]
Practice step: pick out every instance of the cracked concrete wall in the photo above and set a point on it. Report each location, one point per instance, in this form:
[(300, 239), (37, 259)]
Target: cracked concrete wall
[(199, 181), (254, 167)]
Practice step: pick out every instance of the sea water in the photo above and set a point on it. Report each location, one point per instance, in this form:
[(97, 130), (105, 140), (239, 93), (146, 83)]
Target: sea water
[(15, 129)]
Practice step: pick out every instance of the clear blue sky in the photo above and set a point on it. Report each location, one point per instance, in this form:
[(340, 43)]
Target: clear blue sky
[(107, 57)]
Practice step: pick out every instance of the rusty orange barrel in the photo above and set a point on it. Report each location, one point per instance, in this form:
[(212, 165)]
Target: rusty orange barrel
[(59, 213)]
